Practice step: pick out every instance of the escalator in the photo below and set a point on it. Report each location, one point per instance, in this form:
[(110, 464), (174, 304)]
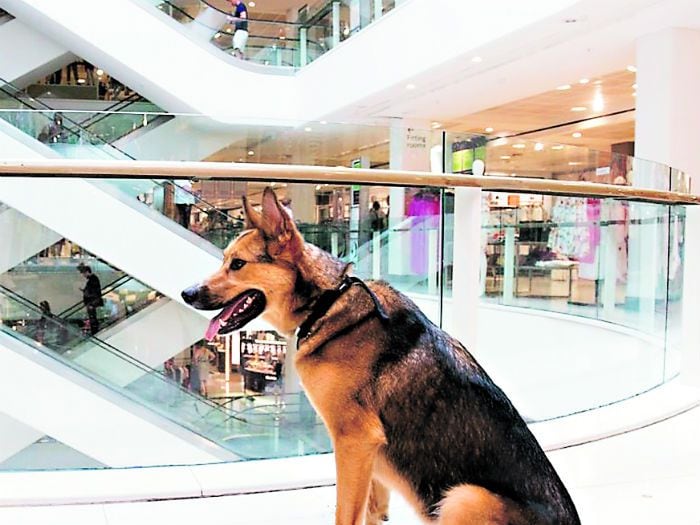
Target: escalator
[(107, 376)]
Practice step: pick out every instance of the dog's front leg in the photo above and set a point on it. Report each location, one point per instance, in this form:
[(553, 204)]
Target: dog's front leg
[(354, 459), (378, 506)]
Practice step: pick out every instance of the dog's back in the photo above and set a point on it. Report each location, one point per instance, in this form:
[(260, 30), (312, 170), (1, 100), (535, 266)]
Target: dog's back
[(447, 425)]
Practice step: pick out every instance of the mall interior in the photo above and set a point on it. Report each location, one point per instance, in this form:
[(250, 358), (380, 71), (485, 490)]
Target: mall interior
[(527, 173)]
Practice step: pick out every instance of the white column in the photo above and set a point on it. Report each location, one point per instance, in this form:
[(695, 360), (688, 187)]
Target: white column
[(667, 131), (303, 202), (467, 259)]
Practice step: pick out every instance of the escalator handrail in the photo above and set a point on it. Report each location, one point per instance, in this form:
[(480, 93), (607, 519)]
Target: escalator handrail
[(156, 118), (45, 107), (114, 108), (113, 350)]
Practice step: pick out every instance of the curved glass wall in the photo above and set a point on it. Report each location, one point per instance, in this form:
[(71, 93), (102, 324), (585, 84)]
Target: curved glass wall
[(589, 288)]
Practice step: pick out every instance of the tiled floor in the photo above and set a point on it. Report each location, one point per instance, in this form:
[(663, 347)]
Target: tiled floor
[(647, 477)]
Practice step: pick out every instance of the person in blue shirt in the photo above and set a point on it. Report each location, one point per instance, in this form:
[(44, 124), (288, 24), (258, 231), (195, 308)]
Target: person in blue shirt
[(240, 36)]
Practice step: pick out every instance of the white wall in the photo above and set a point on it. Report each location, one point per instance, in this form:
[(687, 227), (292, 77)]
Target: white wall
[(28, 54), (21, 238)]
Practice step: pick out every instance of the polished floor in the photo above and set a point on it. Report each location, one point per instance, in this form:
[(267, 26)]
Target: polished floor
[(646, 477)]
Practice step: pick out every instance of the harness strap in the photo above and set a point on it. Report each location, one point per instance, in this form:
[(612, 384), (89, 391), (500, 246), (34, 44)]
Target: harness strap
[(326, 300)]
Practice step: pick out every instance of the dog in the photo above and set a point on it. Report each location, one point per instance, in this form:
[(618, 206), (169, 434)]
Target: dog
[(407, 407)]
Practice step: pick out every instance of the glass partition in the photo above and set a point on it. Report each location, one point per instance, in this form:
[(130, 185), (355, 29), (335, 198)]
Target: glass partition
[(589, 289)]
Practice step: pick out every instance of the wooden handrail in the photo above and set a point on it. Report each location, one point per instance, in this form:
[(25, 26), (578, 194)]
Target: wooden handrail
[(330, 175)]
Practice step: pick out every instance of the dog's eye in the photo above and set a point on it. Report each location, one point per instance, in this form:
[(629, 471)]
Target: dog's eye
[(237, 264)]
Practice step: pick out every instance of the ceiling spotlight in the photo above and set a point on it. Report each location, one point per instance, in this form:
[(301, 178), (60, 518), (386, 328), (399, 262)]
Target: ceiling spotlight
[(307, 129), (634, 94), (634, 86), (573, 163), (436, 125), (577, 134), (489, 130), (598, 102), (632, 69), (324, 122), (558, 147), (410, 87), (100, 72), (477, 59), (584, 81), (505, 157), (579, 108), (520, 145), (598, 82), (564, 87), (539, 146), (251, 153), (251, 4)]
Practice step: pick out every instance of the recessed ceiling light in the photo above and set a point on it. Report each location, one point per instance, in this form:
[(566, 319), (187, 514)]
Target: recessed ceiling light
[(632, 69), (539, 146), (251, 153), (410, 86), (100, 72), (598, 102), (577, 134), (251, 4), (436, 125), (519, 145), (564, 87), (505, 157), (307, 129), (584, 81), (324, 122), (558, 146), (634, 86), (579, 108), (634, 94), (489, 130), (598, 82), (477, 59), (573, 163)]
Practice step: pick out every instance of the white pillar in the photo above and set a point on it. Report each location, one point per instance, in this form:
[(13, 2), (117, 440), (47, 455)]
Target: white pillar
[(303, 202), (667, 131), (467, 260)]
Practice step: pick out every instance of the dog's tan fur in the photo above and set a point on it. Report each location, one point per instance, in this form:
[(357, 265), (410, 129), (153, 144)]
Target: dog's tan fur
[(335, 363)]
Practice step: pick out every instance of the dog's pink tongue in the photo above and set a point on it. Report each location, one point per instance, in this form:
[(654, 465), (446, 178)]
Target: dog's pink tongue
[(215, 323)]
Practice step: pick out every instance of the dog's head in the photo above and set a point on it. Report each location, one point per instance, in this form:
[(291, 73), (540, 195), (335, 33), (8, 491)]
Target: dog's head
[(259, 274)]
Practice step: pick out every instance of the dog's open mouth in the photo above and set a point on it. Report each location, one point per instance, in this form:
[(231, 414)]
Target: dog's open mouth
[(237, 313)]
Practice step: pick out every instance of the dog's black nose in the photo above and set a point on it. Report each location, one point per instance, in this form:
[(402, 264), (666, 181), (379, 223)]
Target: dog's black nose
[(189, 295)]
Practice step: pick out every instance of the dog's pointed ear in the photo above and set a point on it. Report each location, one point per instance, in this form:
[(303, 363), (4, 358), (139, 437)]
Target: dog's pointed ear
[(277, 225), (253, 219)]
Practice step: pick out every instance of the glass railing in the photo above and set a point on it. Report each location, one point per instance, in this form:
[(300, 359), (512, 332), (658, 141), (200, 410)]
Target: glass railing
[(280, 43), (52, 278), (259, 430), (52, 127), (588, 281)]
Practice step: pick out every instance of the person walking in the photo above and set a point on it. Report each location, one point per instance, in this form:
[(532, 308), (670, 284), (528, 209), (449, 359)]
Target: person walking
[(92, 296), (184, 199), (240, 36), (199, 373)]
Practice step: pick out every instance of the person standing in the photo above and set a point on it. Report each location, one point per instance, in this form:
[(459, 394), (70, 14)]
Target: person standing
[(240, 36), (199, 374), (92, 296)]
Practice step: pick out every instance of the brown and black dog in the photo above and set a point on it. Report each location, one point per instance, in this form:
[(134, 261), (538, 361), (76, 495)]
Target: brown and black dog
[(407, 407)]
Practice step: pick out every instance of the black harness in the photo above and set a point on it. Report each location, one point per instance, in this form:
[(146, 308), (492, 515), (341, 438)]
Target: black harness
[(326, 300)]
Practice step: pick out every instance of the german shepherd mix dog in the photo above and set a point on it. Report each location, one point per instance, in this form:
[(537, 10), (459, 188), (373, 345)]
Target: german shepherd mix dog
[(406, 406)]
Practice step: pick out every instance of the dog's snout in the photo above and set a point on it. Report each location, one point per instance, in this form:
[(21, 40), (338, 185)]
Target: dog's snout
[(189, 295)]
